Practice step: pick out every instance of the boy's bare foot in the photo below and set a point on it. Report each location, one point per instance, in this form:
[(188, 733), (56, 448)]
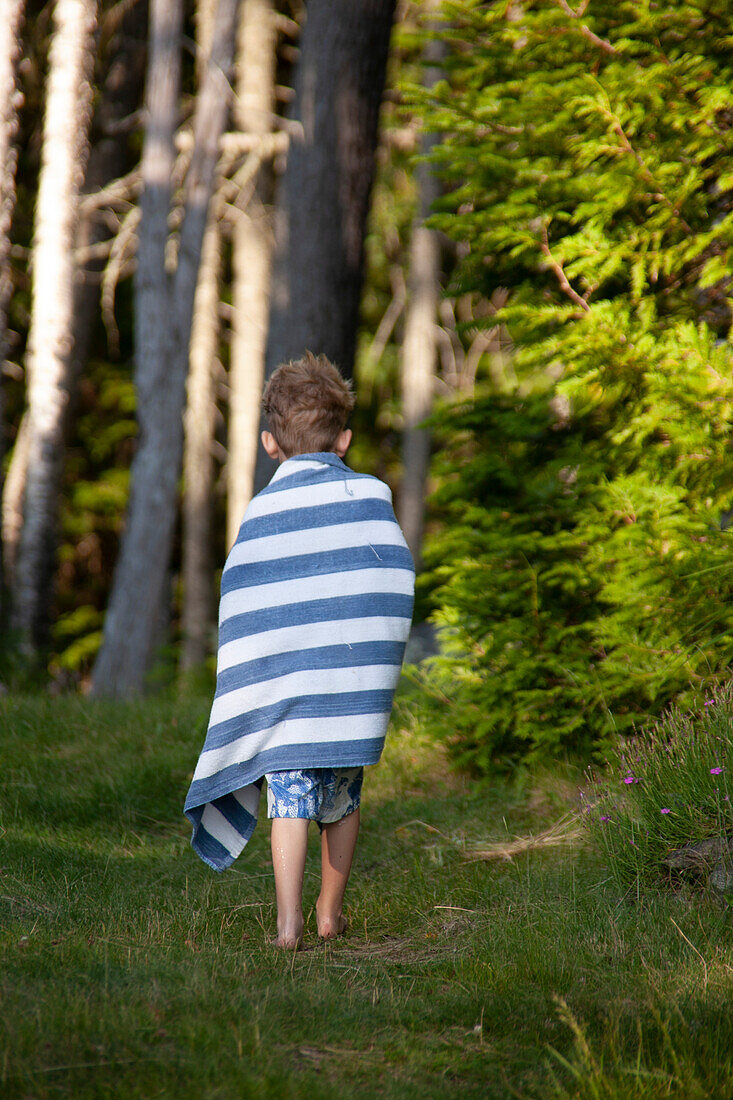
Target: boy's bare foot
[(331, 927), (289, 934), (289, 940)]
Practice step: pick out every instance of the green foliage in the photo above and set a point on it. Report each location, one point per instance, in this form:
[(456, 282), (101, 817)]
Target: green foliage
[(667, 788), (93, 505), (582, 573)]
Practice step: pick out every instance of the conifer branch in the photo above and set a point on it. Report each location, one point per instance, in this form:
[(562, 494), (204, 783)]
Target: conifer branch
[(562, 278), (647, 175), (601, 43)]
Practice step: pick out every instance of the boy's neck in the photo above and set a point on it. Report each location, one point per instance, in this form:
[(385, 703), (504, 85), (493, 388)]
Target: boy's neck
[(339, 448)]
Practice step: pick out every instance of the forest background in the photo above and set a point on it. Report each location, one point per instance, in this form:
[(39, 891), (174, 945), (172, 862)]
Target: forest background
[(563, 313)]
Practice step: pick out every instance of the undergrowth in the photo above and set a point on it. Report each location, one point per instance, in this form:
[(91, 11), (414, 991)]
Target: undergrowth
[(664, 788)]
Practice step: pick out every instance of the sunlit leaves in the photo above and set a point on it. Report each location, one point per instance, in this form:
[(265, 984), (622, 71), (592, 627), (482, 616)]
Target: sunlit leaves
[(582, 572)]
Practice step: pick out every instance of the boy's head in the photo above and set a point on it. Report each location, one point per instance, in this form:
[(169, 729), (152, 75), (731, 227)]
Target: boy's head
[(307, 404)]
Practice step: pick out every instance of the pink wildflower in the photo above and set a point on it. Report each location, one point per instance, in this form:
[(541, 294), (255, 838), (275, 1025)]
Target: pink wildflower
[(664, 810), (715, 771), (631, 779)]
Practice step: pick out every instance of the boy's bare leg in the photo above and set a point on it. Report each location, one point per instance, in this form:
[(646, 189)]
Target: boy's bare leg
[(289, 841), (338, 841)]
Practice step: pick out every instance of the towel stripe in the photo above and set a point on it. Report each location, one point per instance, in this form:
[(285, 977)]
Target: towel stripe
[(339, 537), (338, 704), (369, 605), (362, 727), (287, 641), (270, 667), (325, 563), (313, 518)]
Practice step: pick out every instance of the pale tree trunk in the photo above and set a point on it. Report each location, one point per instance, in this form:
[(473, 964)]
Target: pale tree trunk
[(162, 335), (204, 20), (11, 15), (197, 617), (323, 201), (50, 340), (108, 159), (251, 260), (419, 353), (13, 493)]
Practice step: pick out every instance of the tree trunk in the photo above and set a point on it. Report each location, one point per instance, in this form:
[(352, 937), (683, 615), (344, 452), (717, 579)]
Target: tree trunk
[(162, 334), (197, 619), (204, 20), (10, 23), (50, 340), (419, 354), (198, 464), (323, 200), (251, 260), (108, 159), (13, 494)]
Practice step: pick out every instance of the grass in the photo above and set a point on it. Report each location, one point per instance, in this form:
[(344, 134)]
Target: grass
[(129, 969)]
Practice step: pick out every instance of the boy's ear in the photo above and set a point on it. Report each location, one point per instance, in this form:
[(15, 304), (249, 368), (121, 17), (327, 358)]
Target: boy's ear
[(270, 444), (343, 442)]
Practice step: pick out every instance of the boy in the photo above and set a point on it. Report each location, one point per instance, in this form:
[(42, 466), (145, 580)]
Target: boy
[(316, 605)]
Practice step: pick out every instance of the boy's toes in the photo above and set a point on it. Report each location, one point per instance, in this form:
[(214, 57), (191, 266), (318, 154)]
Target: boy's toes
[(287, 943), (289, 939), (331, 927)]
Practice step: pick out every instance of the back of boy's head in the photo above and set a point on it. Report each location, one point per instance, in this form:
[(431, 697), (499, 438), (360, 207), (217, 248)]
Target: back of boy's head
[(307, 404)]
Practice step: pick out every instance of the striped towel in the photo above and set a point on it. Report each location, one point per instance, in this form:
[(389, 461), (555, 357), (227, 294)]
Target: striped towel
[(316, 604)]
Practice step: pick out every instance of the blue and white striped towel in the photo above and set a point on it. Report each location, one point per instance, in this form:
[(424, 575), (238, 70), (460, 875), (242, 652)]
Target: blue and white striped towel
[(316, 605)]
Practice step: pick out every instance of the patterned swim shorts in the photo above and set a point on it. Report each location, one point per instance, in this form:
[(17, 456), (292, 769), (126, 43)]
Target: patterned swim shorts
[(317, 794)]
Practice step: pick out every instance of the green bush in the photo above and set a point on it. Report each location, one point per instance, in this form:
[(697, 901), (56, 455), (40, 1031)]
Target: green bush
[(582, 577), (581, 570), (665, 789)]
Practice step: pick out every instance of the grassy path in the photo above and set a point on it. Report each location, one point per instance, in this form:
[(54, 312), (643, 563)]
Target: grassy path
[(131, 970)]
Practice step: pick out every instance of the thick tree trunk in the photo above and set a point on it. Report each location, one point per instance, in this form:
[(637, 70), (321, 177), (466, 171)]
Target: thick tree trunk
[(50, 341), (251, 260), (163, 328), (11, 16), (419, 353), (324, 197)]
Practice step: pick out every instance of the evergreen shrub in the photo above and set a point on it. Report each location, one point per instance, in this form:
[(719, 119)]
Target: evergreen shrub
[(581, 573), (581, 568)]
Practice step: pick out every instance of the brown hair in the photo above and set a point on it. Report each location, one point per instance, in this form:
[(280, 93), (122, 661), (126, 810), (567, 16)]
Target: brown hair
[(307, 404)]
